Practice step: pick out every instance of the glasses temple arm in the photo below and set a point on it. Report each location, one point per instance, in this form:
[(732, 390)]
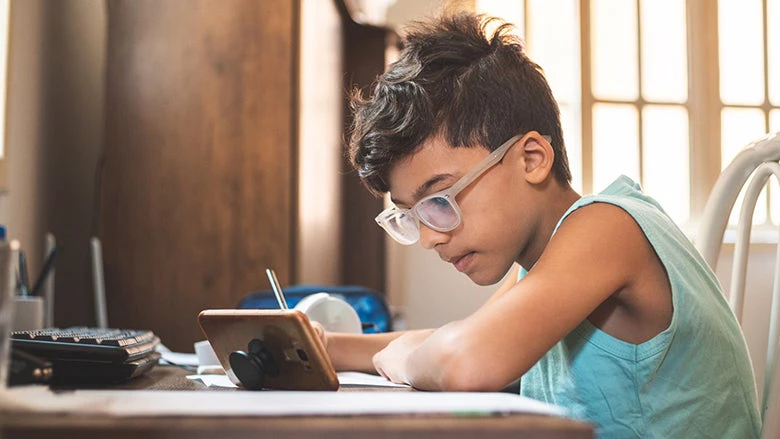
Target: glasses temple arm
[(494, 157)]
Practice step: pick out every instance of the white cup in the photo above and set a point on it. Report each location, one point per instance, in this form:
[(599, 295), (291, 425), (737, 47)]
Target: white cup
[(334, 314), (28, 313)]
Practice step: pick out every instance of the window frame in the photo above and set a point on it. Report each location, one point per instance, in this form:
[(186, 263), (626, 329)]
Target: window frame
[(704, 102)]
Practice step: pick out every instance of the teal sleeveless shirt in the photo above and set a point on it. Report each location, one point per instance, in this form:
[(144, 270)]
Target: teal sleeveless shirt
[(693, 380)]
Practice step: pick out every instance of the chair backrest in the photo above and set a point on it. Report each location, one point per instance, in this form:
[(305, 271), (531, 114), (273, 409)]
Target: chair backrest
[(759, 160)]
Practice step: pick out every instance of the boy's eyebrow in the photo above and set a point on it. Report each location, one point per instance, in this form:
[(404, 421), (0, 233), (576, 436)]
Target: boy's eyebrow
[(425, 187)]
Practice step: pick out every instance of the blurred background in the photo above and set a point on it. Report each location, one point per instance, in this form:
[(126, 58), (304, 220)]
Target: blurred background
[(202, 140)]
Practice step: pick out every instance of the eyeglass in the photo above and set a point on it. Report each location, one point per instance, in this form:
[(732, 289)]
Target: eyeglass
[(438, 211)]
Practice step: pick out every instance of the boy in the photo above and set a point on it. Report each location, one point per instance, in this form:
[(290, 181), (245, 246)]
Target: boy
[(617, 318)]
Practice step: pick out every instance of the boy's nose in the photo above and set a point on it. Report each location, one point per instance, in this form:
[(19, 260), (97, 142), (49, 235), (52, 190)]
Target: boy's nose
[(430, 238)]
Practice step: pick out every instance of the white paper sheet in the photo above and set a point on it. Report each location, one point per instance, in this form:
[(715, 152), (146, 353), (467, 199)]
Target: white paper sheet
[(213, 380), (346, 379), (360, 379), (132, 403), (179, 358)]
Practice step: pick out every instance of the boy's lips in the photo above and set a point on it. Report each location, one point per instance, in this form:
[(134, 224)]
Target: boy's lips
[(462, 262)]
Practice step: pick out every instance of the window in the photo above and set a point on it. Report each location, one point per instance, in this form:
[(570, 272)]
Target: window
[(559, 56), (638, 96), (749, 46)]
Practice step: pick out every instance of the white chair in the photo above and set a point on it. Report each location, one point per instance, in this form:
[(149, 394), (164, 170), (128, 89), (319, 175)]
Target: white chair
[(759, 160)]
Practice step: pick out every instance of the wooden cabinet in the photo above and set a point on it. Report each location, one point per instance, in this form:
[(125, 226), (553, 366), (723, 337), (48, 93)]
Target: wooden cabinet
[(200, 177), (198, 181)]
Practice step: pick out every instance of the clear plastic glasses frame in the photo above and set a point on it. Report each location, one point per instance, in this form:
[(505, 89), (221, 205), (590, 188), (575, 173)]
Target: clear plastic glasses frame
[(438, 211)]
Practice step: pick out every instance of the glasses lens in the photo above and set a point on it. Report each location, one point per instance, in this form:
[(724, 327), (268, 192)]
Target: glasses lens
[(439, 213), (402, 227)]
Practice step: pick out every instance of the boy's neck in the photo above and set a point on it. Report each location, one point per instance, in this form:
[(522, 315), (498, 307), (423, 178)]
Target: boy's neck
[(559, 203)]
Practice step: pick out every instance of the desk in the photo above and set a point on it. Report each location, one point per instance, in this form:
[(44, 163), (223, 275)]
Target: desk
[(357, 427)]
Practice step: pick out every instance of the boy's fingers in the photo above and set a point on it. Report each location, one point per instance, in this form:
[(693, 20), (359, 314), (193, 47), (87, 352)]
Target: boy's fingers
[(320, 330)]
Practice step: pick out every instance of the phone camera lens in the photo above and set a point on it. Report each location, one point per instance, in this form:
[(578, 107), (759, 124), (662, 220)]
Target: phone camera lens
[(302, 355)]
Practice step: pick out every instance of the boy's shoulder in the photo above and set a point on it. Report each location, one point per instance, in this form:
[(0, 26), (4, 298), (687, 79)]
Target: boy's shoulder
[(607, 229), (598, 221), (602, 253), (624, 199)]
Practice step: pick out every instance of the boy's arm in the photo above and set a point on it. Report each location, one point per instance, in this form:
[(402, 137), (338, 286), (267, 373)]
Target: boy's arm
[(356, 351), (594, 254)]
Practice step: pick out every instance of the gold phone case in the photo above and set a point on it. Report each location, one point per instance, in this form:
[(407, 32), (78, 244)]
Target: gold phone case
[(303, 363)]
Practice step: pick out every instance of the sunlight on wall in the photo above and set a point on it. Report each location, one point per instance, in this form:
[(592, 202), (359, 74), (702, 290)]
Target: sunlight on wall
[(319, 144)]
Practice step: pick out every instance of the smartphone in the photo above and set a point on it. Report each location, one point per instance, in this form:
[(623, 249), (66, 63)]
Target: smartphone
[(299, 359)]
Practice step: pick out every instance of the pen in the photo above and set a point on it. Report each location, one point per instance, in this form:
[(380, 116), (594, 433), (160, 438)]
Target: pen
[(277, 288), (48, 264)]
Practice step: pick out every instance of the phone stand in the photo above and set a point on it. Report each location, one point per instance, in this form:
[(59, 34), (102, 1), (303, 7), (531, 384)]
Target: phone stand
[(253, 366)]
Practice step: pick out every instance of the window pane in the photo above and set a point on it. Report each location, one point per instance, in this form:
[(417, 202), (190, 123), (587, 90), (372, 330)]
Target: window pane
[(741, 44), (773, 35), (741, 126), (553, 38), (665, 164), (664, 53), (774, 120), (614, 49), (615, 143)]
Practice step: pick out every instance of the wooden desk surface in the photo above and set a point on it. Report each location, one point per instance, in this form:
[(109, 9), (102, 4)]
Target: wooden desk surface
[(362, 427)]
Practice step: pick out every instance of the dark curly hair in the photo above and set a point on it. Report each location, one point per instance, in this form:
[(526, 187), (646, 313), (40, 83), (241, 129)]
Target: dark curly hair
[(452, 80)]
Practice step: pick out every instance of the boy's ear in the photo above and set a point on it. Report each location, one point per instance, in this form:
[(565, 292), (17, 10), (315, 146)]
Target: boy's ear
[(538, 157)]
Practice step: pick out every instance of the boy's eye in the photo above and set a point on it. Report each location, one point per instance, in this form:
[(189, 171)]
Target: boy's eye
[(439, 201)]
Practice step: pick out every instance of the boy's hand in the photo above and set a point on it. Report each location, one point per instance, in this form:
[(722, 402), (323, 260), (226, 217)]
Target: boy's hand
[(320, 330), (391, 361)]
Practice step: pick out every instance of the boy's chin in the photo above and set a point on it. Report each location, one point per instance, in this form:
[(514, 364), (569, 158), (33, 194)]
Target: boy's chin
[(483, 279)]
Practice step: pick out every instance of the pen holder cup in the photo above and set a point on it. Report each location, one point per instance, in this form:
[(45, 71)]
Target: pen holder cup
[(27, 313)]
